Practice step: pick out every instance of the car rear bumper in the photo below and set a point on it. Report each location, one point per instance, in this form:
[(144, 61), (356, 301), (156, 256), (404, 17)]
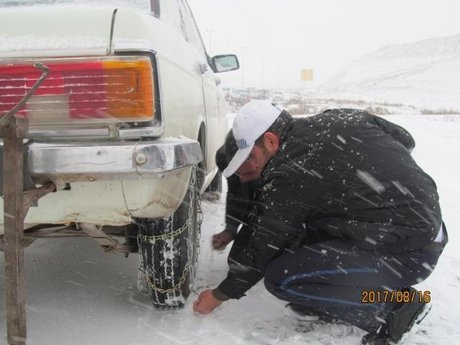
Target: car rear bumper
[(98, 161), (109, 183)]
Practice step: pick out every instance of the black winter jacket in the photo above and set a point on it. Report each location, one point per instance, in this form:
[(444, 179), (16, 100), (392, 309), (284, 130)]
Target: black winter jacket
[(239, 203), (240, 196), (344, 172)]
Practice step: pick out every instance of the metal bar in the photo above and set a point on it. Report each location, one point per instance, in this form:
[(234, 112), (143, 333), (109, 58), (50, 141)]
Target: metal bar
[(57, 234), (13, 133), (29, 238), (32, 196), (45, 71), (108, 243)]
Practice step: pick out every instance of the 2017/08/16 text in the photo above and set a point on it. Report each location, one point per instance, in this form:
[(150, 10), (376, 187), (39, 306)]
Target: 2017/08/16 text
[(395, 296)]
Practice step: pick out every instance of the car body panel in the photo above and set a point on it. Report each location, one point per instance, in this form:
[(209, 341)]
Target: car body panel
[(99, 181), (32, 31)]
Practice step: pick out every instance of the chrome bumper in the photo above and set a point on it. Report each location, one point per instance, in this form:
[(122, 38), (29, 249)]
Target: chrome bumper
[(124, 160)]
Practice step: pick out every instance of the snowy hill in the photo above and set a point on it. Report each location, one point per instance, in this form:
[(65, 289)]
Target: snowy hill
[(424, 74)]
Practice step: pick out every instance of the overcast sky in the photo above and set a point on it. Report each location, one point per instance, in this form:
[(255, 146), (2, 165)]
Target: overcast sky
[(275, 39)]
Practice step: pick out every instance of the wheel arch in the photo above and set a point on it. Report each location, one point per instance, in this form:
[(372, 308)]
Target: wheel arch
[(202, 166)]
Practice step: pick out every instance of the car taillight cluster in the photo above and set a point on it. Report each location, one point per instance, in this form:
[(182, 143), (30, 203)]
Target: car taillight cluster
[(81, 91)]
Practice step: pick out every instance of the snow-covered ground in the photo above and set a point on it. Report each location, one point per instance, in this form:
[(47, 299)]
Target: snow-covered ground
[(79, 295)]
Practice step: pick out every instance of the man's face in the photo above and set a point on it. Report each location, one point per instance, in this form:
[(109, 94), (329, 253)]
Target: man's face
[(253, 166)]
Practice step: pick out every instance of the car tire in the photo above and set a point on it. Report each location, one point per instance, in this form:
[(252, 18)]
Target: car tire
[(214, 190), (216, 184), (168, 249)]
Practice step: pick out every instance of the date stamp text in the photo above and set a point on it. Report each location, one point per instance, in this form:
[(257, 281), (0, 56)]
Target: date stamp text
[(395, 296)]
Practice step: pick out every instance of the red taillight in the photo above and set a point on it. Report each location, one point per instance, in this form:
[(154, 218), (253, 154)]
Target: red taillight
[(81, 91)]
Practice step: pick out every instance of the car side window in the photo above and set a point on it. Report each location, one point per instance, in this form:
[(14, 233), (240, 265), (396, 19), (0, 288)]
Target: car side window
[(193, 34)]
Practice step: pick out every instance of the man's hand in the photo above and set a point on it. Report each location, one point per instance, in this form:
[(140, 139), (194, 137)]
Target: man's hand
[(206, 302), (220, 240)]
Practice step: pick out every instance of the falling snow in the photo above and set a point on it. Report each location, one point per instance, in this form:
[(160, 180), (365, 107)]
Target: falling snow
[(79, 295), (370, 180)]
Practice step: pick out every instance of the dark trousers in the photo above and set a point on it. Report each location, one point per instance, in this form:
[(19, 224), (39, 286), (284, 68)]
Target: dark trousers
[(329, 278)]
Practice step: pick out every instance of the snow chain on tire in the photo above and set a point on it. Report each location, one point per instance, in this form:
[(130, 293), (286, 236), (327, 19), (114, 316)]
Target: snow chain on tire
[(168, 251)]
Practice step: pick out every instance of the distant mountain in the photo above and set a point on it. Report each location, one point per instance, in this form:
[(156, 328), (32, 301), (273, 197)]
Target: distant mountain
[(424, 74)]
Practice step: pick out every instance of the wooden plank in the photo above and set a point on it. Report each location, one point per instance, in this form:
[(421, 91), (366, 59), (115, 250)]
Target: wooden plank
[(12, 133), (13, 130)]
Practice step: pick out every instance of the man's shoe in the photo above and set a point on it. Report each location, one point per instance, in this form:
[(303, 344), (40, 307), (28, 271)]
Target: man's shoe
[(309, 320), (301, 313), (398, 324)]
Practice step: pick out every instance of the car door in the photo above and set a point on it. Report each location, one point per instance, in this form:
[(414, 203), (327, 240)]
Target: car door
[(215, 124)]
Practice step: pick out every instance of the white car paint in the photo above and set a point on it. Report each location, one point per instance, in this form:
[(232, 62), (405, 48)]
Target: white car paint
[(188, 91)]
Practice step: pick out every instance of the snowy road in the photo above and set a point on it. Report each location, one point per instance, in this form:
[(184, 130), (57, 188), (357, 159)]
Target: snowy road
[(78, 295)]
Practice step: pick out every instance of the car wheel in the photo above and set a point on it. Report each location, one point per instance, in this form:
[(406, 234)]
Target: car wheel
[(168, 250), (214, 190), (216, 184)]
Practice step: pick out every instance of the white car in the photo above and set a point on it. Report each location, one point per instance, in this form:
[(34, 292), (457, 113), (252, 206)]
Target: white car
[(126, 125)]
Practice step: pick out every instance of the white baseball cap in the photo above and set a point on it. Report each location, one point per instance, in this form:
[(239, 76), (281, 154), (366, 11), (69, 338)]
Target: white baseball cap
[(253, 120)]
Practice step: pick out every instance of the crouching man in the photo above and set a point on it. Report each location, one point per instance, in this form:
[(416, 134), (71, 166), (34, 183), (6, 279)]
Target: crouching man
[(347, 179)]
